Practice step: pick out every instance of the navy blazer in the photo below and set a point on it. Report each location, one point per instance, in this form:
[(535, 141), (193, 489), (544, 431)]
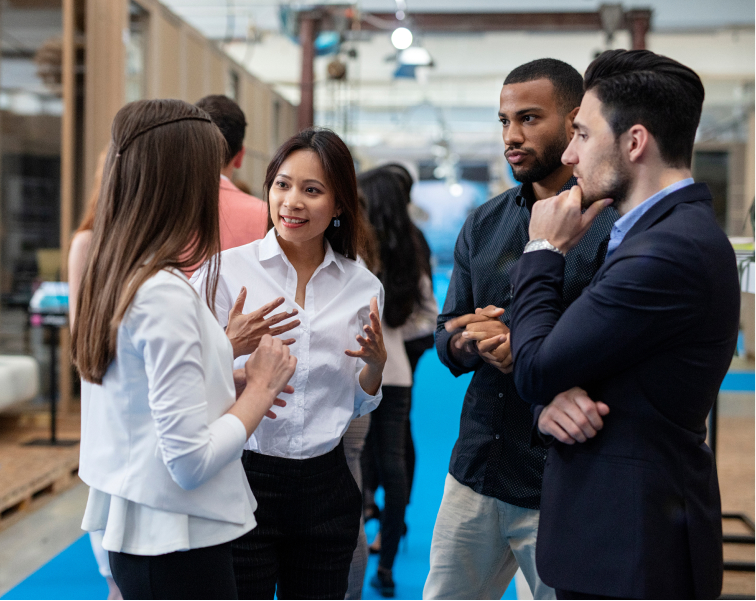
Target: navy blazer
[(634, 512)]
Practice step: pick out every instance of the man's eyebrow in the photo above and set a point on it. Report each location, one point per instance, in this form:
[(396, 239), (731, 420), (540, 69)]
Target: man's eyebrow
[(532, 109), (578, 125)]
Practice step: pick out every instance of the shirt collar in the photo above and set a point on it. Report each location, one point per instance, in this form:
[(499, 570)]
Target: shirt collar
[(228, 179), (269, 248), (625, 223), (526, 197)]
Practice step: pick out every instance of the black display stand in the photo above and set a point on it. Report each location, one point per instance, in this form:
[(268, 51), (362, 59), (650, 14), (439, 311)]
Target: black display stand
[(52, 322)]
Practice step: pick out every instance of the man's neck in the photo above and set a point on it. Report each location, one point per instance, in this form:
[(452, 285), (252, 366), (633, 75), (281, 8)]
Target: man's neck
[(650, 181), (228, 171), (553, 183)]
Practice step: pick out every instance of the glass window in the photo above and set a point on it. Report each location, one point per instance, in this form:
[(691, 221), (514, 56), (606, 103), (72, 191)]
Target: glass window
[(136, 53), (31, 107)]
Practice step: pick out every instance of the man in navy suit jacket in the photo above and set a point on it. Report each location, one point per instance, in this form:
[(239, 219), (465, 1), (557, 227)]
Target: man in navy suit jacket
[(630, 505)]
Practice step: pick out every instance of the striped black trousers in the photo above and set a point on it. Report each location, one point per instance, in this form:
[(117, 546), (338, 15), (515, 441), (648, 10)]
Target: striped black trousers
[(308, 520)]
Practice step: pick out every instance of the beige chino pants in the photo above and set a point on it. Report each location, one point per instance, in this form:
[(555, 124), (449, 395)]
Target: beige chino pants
[(478, 544)]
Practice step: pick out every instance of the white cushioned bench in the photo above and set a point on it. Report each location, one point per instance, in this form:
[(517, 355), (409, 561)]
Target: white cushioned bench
[(19, 379)]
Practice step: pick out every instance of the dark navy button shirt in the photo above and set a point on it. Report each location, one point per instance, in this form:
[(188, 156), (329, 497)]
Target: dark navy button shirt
[(493, 454)]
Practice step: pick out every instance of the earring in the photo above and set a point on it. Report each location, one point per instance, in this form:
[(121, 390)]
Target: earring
[(336, 222)]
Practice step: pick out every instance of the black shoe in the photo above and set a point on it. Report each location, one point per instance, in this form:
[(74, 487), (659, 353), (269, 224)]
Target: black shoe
[(383, 582)]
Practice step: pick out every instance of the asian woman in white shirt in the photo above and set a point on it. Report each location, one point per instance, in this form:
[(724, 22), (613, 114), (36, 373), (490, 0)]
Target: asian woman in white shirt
[(165, 418), (309, 505)]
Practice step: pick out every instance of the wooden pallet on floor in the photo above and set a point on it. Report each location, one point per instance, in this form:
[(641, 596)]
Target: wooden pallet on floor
[(32, 475)]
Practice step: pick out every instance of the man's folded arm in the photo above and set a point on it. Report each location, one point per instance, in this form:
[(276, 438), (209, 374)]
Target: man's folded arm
[(611, 326), (459, 301)]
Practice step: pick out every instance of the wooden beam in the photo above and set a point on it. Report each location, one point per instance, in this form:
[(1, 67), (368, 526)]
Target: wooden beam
[(307, 29), (67, 183), (502, 21)]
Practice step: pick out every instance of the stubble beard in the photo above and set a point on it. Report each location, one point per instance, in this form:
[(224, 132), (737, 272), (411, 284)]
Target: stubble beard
[(545, 163), (612, 179)]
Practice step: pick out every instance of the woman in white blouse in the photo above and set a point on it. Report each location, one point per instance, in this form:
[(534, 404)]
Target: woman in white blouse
[(162, 428), (308, 503)]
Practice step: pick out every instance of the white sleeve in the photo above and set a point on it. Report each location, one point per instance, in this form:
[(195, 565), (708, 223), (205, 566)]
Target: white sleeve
[(163, 323), (422, 321), (364, 403)]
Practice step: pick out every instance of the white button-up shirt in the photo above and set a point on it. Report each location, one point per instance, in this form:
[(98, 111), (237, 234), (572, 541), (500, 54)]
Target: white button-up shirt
[(327, 393)]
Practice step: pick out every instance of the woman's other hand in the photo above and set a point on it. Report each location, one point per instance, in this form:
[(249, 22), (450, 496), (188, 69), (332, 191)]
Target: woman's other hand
[(246, 331), (268, 371), (372, 352)]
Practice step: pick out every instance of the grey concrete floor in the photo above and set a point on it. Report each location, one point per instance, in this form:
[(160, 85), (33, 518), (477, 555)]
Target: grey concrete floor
[(30, 543)]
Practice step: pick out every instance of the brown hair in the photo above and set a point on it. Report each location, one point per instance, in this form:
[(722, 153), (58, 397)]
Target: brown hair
[(351, 238), (157, 209)]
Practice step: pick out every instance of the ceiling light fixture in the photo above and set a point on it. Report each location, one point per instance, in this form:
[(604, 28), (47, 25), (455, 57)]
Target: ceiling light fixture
[(401, 38)]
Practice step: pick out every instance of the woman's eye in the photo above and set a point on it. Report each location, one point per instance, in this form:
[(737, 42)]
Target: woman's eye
[(312, 190), (281, 184)]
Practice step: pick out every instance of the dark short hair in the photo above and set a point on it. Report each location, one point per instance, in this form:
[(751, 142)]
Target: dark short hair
[(350, 239), (640, 87), (229, 118), (567, 82)]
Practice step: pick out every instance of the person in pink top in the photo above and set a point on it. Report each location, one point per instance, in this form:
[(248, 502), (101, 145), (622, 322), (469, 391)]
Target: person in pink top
[(243, 218)]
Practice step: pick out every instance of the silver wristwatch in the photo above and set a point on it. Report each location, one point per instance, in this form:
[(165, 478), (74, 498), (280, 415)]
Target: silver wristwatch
[(541, 244)]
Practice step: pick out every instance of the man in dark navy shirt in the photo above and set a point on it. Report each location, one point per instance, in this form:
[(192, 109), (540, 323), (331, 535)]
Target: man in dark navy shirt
[(488, 520)]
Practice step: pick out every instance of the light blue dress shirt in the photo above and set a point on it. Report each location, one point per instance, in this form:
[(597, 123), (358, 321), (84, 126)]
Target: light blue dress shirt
[(629, 219)]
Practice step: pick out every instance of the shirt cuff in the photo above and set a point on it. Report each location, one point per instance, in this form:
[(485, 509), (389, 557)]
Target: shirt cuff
[(364, 403), (230, 428), (538, 438)]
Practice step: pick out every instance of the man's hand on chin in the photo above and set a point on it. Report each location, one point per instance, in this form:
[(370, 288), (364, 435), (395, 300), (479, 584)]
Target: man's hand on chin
[(572, 416), (560, 219)]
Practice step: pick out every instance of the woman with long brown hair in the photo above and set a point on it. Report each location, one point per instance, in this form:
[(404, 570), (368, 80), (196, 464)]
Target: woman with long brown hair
[(309, 504), (163, 429)]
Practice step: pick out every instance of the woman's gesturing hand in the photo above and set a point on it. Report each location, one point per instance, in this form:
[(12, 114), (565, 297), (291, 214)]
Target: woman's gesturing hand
[(245, 331), (372, 352), (268, 371), (270, 367)]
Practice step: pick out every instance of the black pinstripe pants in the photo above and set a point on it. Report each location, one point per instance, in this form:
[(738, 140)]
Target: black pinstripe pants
[(308, 520)]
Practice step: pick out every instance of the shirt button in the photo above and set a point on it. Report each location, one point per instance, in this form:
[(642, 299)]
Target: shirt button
[(497, 437), (501, 395)]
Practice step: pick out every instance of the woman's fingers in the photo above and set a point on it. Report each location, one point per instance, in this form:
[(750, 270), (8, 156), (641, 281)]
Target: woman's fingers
[(270, 414), (279, 317), (268, 307), (284, 328), (289, 341), (375, 318), (279, 403), (238, 304)]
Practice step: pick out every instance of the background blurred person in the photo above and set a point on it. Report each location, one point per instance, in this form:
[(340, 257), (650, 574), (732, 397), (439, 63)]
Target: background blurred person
[(488, 520), (162, 429), (77, 258), (418, 331), (408, 289), (243, 218), (309, 504), (354, 440)]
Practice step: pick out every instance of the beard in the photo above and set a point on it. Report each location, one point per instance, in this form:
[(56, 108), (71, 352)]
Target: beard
[(545, 163), (611, 178)]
